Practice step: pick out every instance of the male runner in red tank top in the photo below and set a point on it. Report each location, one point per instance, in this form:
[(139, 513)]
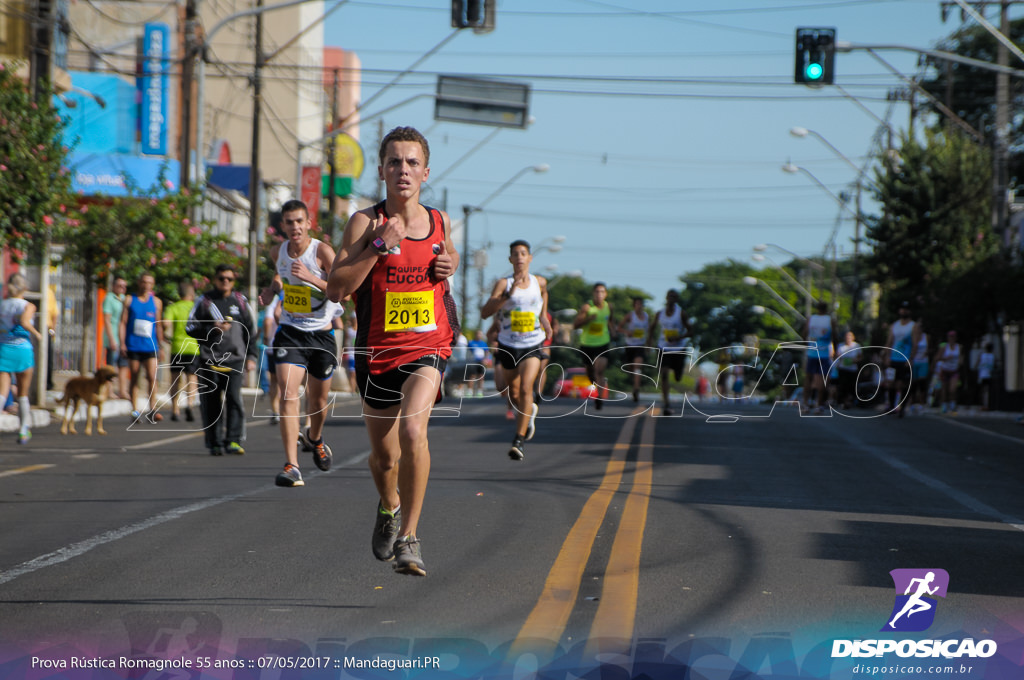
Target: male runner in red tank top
[(395, 260)]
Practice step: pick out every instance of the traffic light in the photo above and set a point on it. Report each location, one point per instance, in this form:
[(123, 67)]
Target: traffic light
[(815, 56), (475, 14)]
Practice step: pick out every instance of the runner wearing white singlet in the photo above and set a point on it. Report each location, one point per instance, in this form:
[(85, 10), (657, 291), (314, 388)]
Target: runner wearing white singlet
[(522, 303)]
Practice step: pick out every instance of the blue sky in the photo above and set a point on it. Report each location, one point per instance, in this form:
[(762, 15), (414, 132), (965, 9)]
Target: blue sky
[(665, 123)]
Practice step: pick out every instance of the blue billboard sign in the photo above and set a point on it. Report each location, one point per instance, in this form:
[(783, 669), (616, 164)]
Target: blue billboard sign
[(153, 115)]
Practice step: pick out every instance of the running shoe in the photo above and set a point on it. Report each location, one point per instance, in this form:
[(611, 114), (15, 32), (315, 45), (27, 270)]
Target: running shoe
[(531, 425), (23, 437), (385, 533), (407, 557), (517, 448), (154, 417), (275, 418), (188, 415), (216, 450), (290, 476), (234, 448), (322, 453), (598, 403), (667, 410)]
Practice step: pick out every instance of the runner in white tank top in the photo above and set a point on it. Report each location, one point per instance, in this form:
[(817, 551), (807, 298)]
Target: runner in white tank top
[(522, 300), (635, 327)]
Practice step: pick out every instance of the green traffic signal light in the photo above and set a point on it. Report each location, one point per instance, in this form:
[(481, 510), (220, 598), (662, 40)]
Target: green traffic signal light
[(815, 56)]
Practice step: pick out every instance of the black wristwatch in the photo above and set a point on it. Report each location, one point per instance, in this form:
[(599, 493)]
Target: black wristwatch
[(380, 246)]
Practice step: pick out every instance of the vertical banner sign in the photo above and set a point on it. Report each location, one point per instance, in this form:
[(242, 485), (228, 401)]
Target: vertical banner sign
[(311, 192), (155, 46)]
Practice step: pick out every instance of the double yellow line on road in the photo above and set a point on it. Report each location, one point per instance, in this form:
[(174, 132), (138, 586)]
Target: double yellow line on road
[(616, 612)]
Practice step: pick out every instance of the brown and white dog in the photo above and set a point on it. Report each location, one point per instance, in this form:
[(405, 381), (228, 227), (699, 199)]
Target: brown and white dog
[(93, 391)]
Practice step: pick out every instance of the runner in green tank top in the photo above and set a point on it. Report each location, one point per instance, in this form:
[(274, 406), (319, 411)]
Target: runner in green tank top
[(184, 351), (595, 319)]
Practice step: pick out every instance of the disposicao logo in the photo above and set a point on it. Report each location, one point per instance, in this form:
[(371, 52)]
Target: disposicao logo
[(914, 611), (916, 590)]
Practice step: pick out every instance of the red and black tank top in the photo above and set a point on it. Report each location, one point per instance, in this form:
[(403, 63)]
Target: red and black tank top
[(401, 310)]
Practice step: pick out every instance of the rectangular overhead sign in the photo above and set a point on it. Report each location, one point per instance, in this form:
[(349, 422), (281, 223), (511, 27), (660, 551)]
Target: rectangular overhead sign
[(482, 102)]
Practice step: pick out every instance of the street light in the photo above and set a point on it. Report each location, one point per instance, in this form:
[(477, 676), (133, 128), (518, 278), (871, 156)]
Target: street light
[(761, 247), (468, 210), (757, 257), (761, 309), (552, 244), (860, 179), (802, 132), (754, 281), (794, 169)]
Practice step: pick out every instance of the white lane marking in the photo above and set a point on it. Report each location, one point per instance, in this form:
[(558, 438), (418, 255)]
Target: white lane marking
[(75, 549), (975, 428), (964, 499)]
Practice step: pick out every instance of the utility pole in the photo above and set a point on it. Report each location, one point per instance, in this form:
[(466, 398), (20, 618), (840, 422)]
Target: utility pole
[(1001, 141), (1000, 204), (332, 196), (254, 162), (187, 77), (41, 53)]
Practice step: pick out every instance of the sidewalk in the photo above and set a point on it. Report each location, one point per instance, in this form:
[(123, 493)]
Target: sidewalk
[(53, 413)]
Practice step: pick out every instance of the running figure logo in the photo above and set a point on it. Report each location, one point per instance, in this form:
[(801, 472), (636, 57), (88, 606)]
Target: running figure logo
[(916, 590)]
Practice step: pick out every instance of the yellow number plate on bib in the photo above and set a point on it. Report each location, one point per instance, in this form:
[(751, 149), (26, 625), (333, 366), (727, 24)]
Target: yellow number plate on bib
[(297, 299), (522, 322), (595, 328), (672, 335), (639, 333), (409, 312)]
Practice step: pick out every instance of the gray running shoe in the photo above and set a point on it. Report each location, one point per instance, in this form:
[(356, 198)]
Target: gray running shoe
[(531, 425), (385, 531), (290, 476), (407, 557)]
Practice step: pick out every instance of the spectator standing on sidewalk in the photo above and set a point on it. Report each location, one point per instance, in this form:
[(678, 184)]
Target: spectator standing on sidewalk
[(225, 329), (113, 307)]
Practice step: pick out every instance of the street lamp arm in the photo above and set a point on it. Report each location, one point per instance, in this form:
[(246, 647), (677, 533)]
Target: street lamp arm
[(810, 263), (752, 281), (796, 284), (252, 11), (946, 111), (530, 168), (842, 46), (790, 168)]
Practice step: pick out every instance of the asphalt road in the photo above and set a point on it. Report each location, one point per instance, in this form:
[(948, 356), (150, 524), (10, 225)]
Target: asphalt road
[(621, 535)]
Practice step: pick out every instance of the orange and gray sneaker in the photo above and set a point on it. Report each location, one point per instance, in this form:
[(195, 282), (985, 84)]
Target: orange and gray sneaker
[(322, 454), (289, 476)]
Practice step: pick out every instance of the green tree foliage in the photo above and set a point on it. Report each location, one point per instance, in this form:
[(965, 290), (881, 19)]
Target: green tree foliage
[(722, 305), (147, 231), (34, 182), (971, 92), (934, 245)]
